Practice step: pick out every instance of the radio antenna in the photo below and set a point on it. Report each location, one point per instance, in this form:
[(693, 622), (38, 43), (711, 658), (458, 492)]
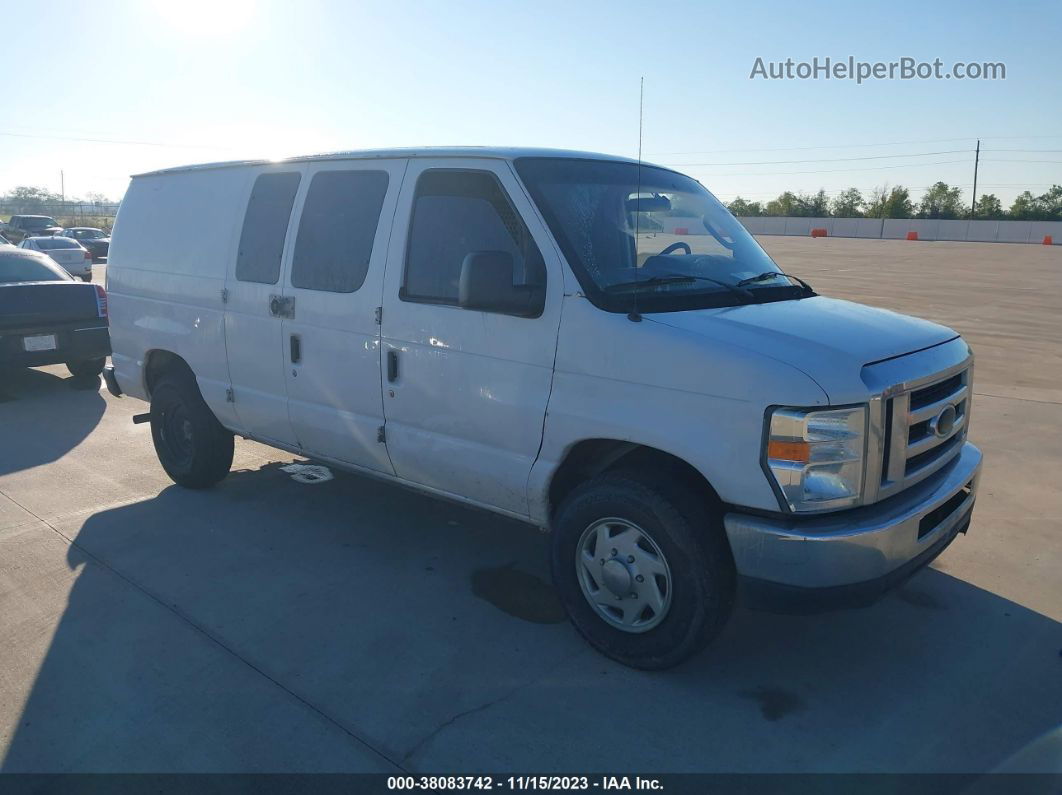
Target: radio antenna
[(633, 316)]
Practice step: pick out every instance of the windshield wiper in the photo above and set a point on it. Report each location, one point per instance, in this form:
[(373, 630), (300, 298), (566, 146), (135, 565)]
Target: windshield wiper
[(680, 278), (762, 277)]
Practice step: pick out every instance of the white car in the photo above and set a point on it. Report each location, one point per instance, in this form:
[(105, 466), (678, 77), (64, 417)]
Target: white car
[(71, 255), (587, 343)]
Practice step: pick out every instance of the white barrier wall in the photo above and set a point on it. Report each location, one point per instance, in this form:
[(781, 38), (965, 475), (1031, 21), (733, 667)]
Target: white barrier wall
[(897, 228)]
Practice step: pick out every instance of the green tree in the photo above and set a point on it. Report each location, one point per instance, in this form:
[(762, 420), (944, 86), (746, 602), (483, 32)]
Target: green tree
[(785, 204), (29, 199), (1051, 203), (848, 204), (989, 207), (817, 205), (941, 201), (1024, 207), (1045, 207), (799, 205), (886, 203), (745, 208)]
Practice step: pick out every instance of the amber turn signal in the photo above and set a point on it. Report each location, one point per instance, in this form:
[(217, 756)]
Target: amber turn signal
[(789, 451)]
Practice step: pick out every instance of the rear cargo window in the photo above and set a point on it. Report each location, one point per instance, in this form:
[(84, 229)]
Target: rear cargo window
[(265, 226), (337, 230)]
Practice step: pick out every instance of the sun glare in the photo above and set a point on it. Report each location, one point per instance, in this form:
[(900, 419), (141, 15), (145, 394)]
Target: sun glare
[(206, 17)]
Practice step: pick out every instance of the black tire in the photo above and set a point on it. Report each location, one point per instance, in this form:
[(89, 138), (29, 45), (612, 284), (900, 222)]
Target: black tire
[(690, 535), (192, 446), (86, 279), (86, 368)]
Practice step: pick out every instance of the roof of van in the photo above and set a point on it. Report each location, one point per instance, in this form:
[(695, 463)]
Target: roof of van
[(498, 152)]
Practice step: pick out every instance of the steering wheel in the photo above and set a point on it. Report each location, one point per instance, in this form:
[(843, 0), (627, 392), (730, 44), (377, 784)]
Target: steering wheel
[(676, 247)]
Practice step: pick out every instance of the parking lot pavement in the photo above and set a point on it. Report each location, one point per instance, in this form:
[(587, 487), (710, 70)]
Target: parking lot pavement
[(349, 625)]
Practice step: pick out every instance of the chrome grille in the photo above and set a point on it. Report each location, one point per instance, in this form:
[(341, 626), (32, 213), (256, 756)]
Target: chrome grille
[(925, 426)]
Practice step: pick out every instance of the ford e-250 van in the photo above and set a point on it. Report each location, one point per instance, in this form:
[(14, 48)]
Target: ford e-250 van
[(580, 341)]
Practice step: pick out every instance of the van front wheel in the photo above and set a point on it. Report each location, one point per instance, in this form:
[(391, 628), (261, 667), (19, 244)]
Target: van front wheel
[(192, 446), (643, 568)]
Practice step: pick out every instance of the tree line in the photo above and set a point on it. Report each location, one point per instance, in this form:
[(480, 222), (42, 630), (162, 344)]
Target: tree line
[(939, 201), (33, 198)]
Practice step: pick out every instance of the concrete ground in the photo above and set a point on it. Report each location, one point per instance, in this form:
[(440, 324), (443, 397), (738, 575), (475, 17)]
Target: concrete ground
[(268, 625)]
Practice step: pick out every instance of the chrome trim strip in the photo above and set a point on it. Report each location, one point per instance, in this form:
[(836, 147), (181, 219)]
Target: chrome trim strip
[(898, 442), (930, 411)]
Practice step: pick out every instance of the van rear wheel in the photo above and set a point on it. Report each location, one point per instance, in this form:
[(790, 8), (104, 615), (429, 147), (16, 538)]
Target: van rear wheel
[(643, 568), (192, 446)]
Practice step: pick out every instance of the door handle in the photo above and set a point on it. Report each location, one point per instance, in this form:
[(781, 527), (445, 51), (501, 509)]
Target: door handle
[(282, 306), (296, 348), (392, 366)]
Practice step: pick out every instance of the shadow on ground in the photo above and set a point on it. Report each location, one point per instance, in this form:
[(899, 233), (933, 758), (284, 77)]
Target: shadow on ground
[(55, 415), (201, 620)]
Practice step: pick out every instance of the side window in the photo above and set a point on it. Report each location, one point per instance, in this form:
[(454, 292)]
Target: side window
[(337, 229), (265, 226), (456, 213)]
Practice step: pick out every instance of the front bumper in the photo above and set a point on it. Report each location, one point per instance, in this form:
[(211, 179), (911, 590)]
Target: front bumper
[(850, 558)]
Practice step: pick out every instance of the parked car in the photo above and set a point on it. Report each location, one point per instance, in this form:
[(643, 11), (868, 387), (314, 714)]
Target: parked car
[(4, 241), (66, 251), (95, 240), (495, 327), (20, 227), (46, 317)]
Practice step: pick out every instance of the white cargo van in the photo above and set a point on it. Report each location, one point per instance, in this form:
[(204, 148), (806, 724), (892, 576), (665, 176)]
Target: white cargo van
[(580, 341)]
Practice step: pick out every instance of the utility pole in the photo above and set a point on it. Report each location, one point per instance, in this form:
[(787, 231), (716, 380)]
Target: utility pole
[(977, 159)]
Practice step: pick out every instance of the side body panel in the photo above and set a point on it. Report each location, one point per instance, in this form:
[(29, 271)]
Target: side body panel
[(466, 407), (661, 387), (253, 332), (172, 241)]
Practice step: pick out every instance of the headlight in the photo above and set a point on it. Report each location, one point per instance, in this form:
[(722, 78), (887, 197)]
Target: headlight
[(816, 457)]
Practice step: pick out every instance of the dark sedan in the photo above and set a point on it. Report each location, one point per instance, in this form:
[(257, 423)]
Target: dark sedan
[(96, 241), (47, 317)]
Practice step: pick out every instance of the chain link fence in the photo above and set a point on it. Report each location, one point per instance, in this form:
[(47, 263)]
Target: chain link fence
[(95, 214)]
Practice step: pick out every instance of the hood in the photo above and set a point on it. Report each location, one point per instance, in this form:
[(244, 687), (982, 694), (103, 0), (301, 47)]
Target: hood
[(824, 337)]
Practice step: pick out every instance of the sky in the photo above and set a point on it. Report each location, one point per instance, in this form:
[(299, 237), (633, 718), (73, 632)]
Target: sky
[(155, 83)]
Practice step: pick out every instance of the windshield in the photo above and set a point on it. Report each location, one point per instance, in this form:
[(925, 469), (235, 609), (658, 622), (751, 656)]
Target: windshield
[(649, 238), (19, 266), (54, 243), (87, 234)]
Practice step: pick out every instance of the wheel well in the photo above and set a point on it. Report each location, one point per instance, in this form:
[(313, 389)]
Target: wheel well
[(161, 362), (591, 457)]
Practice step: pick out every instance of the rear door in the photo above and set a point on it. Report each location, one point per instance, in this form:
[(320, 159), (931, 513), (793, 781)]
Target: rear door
[(255, 304), (466, 390), (332, 334)]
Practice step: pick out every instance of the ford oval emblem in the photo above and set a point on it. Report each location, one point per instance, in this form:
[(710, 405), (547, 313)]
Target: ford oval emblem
[(942, 424)]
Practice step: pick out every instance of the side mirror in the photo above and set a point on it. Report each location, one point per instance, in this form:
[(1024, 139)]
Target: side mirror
[(486, 284)]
